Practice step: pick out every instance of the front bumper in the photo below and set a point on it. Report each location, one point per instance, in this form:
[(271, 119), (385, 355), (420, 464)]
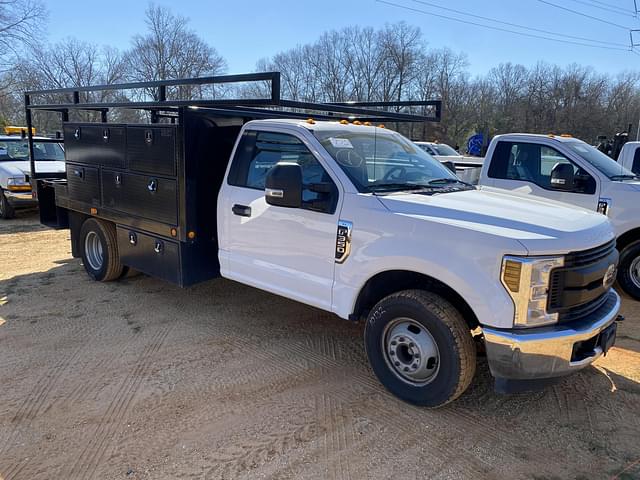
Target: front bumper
[(20, 199), (548, 352)]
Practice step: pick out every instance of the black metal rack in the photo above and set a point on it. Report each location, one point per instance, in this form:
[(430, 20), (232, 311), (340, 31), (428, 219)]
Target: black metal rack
[(272, 106)]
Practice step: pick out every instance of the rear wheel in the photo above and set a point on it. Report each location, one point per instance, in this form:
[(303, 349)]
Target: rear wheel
[(6, 210), (99, 250), (629, 270), (420, 348)]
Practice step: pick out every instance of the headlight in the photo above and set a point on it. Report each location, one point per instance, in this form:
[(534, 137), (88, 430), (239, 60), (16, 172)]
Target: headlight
[(527, 281), (18, 184)]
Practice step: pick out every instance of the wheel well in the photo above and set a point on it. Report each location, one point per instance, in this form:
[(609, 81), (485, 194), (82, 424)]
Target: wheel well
[(393, 281), (627, 238)]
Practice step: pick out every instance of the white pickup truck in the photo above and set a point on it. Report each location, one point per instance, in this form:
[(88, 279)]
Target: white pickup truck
[(629, 157), (568, 170), (355, 220), (15, 189)]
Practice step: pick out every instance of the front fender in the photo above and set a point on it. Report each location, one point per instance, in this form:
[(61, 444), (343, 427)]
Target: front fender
[(467, 261)]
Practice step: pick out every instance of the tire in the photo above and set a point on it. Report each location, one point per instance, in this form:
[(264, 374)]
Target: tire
[(417, 321), (6, 209), (99, 250), (629, 270)]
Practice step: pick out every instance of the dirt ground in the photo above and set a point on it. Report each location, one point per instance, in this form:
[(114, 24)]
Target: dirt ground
[(140, 379)]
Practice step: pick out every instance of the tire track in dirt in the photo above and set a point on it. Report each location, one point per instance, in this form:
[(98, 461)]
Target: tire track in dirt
[(449, 419), (37, 397), (93, 453), (336, 441)]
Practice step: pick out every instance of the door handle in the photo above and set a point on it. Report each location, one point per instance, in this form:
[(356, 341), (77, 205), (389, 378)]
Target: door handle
[(241, 210)]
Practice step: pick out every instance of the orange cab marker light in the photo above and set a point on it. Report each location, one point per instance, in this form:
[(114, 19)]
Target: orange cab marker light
[(191, 235), (174, 232), (344, 122), (367, 124), (566, 135), (357, 122), (551, 135), (93, 211), (311, 121), (381, 126)]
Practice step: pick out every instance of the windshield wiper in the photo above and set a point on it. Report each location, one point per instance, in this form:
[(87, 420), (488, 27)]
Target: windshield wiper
[(435, 181), (623, 177), (389, 187)]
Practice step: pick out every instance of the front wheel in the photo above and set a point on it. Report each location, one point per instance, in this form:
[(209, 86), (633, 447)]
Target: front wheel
[(6, 210), (99, 250), (420, 348), (629, 270)]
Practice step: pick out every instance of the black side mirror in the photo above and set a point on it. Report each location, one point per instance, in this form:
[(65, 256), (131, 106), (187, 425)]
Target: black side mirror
[(283, 185), (563, 176)]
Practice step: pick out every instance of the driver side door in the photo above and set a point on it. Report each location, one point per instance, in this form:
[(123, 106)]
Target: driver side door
[(288, 251), (526, 168)]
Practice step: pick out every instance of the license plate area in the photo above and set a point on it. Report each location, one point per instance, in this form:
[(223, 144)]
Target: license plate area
[(607, 337), (589, 348)]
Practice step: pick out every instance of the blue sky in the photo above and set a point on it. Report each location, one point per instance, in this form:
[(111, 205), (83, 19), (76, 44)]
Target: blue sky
[(244, 31)]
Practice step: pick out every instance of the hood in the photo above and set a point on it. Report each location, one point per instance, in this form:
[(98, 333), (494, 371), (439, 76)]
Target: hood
[(22, 167), (542, 227)]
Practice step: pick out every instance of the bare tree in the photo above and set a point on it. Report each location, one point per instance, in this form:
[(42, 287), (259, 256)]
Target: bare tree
[(20, 23), (169, 50)]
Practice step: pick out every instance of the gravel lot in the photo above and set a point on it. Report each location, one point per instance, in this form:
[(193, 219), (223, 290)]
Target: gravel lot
[(141, 379)]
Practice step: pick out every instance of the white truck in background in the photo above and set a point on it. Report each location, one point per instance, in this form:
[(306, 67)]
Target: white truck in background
[(15, 189), (565, 169), (629, 157), (466, 168)]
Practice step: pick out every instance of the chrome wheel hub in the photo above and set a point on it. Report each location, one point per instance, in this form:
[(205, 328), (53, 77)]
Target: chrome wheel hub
[(410, 351), (634, 271), (93, 250)]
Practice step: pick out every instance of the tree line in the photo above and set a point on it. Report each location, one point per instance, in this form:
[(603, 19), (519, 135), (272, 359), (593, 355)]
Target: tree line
[(357, 63)]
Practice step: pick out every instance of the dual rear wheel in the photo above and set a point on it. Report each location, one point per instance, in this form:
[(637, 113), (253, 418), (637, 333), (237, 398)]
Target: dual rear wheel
[(99, 250)]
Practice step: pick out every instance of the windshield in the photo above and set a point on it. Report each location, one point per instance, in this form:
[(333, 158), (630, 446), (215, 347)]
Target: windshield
[(445, 150), (18, 149), (380, 160), (599, 160)]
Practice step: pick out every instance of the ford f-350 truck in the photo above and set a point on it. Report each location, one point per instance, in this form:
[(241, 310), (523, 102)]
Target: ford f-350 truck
[(321, 204)]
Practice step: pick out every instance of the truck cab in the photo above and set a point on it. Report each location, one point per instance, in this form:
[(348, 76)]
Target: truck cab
[(15, 171), (347, 216), (629, 157), (568, 170)]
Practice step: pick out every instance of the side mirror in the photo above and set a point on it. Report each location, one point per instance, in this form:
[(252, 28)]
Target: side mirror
[(563, 176), (283, 185)]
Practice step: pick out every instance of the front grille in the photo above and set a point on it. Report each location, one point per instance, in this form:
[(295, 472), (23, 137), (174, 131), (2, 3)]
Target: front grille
[(587, 257), (582, 311), (576, 290)]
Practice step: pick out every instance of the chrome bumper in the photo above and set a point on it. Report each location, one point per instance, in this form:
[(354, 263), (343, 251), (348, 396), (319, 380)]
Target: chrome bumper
[(547, 352), (20, 199)]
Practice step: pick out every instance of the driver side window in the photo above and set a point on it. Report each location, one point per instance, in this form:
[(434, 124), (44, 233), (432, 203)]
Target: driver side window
[(535, 163), (258, 151)]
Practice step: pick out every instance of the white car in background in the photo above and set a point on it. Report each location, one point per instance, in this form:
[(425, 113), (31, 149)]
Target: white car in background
[(466, 168), (15, 189)]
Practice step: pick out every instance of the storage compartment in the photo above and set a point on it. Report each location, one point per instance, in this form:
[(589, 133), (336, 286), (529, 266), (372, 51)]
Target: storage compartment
[(152, 255), (152, 149), (141, 195), (95, 144), (83, 184)]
